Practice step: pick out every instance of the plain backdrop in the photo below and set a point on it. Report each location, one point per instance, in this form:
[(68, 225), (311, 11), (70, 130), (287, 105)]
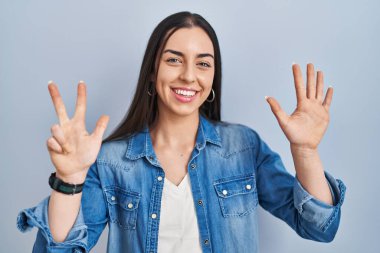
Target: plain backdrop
[(102, 42)]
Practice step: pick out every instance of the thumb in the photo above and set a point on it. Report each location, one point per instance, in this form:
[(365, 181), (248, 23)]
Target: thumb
[(280, 115), (101, 126)]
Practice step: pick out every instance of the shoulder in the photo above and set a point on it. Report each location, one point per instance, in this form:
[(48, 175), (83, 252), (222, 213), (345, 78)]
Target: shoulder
[(236, 134), (113, 150)]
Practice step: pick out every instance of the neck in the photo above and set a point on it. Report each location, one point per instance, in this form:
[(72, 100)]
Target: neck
[(175, 131)]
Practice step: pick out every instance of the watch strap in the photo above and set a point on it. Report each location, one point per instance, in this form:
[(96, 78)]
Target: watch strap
[(63, 187)]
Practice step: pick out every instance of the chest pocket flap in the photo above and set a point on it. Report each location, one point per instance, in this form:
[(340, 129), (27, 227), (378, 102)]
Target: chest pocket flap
[(237, 195), (122, 206)]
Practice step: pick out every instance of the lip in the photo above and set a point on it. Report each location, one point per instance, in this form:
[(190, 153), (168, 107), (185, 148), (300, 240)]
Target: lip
[(183, 99)]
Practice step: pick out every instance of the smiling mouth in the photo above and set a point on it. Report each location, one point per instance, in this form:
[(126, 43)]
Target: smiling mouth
[(185, 93)]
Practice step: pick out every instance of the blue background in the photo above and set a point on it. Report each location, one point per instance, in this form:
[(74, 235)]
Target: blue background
[(102, 42)]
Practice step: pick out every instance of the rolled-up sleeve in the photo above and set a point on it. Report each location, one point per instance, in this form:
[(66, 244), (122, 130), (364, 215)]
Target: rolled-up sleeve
[(89, 224), (282, 195), (315, 211), (38, 217)]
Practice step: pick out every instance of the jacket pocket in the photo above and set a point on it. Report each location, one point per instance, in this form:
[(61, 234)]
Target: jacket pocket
[(237, 195), (122, 206)]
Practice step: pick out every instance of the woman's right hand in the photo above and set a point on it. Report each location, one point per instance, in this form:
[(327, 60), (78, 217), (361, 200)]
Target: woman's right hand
[(72, 149)]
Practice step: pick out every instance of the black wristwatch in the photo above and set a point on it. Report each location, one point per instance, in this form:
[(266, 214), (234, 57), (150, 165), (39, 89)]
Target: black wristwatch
[(63, 187)]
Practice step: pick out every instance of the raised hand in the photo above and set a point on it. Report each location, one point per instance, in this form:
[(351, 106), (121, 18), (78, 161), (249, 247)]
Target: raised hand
[(305, 127), (72, 149)]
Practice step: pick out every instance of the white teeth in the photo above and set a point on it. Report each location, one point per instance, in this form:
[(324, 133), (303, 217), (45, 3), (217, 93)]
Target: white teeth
[(185, 92)]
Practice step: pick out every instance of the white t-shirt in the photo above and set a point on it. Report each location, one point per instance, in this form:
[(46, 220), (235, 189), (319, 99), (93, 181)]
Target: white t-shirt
[(178, 230)]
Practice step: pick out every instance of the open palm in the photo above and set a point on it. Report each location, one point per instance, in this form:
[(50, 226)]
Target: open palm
[(306, 126)]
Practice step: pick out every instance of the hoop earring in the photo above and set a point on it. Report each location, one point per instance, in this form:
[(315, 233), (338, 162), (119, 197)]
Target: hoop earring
[(150, 92), (213, 96)]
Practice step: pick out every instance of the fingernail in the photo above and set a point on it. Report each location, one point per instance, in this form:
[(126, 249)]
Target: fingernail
[(81, 81), (330, 86), (50, 82), (293, 63), (266, 97)]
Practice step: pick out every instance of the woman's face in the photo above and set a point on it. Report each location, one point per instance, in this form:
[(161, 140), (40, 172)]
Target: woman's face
[(185, 72)]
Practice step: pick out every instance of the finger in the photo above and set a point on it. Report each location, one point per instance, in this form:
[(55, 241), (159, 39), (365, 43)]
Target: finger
[(298, 82), (58, 103), (319, 95), (310, 88), (101, 126), (53, 145), (80, 109), (328, 98), (59, 136), (280, 115)]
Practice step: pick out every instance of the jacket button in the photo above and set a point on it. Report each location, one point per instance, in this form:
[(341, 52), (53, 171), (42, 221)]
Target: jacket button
[(113, 198), (200, 202), (193, 165), (130, 205), (224, 192), (248, 187), (206, 241), (159, 178), (150, 157), (154, 216)]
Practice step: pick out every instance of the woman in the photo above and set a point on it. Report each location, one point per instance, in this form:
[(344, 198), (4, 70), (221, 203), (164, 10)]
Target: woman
[(173, 177)]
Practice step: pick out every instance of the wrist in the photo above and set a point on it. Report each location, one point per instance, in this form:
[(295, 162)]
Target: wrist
[(303, 150), (77, 178)]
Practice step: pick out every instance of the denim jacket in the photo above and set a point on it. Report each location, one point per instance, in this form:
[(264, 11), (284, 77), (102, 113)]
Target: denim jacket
[(231, 170)]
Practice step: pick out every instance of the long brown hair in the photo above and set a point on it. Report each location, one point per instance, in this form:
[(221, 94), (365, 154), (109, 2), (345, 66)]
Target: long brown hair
[(144, 110)]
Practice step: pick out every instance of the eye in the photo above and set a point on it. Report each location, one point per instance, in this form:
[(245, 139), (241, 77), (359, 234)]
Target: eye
[(173, 60), (205, 64)]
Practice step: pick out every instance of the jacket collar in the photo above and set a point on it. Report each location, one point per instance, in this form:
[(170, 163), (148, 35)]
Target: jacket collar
[(140, 143)]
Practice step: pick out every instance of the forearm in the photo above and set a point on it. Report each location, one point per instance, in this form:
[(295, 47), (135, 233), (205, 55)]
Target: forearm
[(310, 173), (63, 211)]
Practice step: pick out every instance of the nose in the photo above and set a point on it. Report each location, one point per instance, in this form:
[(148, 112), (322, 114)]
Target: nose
[(188, 74)]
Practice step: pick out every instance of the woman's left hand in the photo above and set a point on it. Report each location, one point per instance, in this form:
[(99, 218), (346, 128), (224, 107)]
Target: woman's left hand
[(305, 127)]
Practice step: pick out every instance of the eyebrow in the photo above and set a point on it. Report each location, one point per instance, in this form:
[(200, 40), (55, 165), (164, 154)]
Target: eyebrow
[(181, 54)]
